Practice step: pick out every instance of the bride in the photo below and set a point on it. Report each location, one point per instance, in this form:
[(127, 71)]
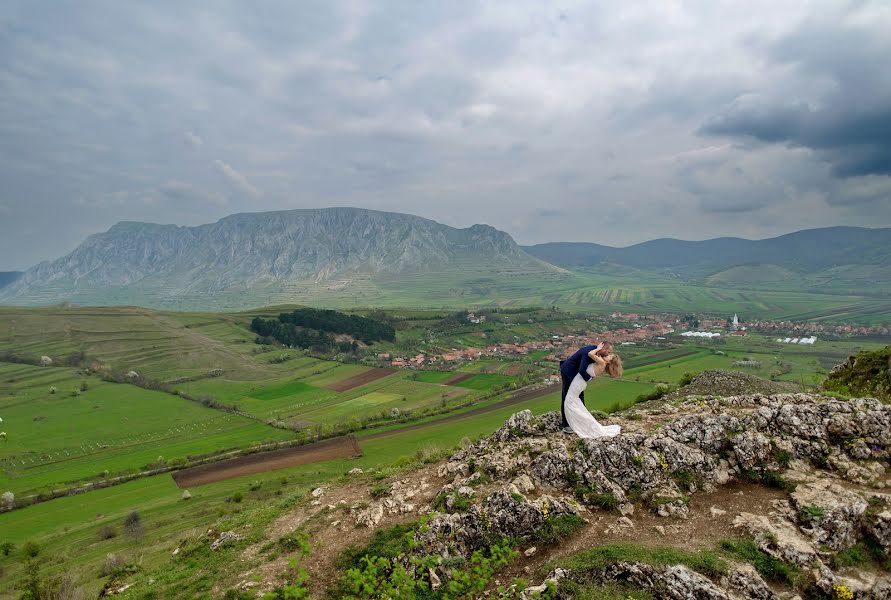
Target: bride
[(580, 420)]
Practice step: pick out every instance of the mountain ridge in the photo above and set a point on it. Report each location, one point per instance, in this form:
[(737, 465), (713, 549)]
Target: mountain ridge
[(360, 255), (807, 250), (244, 250)]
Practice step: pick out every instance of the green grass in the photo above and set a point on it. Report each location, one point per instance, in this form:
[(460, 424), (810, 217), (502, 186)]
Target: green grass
[(589, 562), (485, 381), (289, 389), (432, 376), (53, 439), (769, 567), (557, 527)]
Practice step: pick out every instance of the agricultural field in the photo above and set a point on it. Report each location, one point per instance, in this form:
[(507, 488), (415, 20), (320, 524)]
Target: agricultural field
[(68, 528), (596, 291), (164, 346), (89, 426)]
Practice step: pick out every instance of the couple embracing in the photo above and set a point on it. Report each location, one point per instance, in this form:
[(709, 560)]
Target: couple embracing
[(575, 372)]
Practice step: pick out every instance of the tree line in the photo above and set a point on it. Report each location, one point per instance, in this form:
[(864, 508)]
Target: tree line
[(313, 328)]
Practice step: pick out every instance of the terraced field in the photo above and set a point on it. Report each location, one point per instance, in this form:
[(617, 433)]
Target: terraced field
[(163, 346), (72, 434)]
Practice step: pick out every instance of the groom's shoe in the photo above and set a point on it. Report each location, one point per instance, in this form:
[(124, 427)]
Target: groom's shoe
[(568, 429)]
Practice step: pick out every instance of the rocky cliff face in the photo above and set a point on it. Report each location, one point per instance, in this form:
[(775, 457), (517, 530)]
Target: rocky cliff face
[(244, 250), (823, 463)]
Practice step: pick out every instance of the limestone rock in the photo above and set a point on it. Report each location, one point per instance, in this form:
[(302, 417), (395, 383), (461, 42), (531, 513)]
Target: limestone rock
[(224, 539), (746, 580), (830, 513), (880, 529), (500, 514), (778, 537), (816, 446)]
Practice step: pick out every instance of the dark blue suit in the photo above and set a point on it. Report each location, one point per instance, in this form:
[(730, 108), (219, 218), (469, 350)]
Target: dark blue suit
[(575, 364)]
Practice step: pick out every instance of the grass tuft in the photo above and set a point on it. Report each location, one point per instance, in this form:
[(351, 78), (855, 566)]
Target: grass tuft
[(558, 527), (589, 562)]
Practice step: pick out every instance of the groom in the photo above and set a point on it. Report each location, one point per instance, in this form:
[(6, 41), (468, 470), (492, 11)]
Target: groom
[(578, 364)]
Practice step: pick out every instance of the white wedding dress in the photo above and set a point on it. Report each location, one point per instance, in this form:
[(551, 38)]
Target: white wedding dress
[(578, 417)]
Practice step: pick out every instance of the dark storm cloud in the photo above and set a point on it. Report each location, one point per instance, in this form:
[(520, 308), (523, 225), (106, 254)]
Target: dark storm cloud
[(652, 119), (838, 102)]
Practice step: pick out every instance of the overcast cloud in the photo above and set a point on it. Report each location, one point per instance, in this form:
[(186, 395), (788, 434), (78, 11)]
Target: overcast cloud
[(573, 121)]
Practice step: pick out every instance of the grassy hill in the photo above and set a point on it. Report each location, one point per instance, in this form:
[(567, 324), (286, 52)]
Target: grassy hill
[(753, 275), (802, 251)]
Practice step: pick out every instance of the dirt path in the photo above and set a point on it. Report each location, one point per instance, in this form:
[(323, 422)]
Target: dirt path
[(340, 447), (703, 530), (515, 399), (331, 523), (359, 380)]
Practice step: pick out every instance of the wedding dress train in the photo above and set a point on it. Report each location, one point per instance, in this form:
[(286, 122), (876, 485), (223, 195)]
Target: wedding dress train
[(583, 422)]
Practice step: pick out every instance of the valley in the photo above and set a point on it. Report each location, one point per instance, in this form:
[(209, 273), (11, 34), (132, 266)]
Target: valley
[(132, 392)]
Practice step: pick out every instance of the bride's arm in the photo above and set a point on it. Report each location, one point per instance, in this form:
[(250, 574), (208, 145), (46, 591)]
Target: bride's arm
[(587, 359)]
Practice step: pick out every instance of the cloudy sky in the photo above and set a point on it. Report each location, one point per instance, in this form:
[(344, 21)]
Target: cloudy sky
[(613, 122)]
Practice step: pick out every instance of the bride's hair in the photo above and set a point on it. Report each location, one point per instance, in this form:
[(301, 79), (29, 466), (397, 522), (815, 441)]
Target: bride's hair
[(614, 367)]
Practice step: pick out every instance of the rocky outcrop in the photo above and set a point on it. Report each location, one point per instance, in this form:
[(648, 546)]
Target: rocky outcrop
[(829, 456), (503, 514), (400, 500), (718, 382)]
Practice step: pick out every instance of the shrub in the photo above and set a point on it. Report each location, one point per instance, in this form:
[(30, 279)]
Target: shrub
[(379, 490), (687, 378), (295, 541), (133, 526), (31, 549), (685, 479), (867, 373), (388, 543), (659, 391), (112, 565), (458, 503), (769, 478), (6, 548), (381, 577), (592, 498), (558, 527), (237, 497), (106, 532)]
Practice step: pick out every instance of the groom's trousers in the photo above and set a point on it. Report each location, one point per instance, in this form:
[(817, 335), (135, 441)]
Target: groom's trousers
[(566, 383)]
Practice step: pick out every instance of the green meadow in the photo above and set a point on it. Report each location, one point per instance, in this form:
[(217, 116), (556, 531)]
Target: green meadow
[(87, 426)]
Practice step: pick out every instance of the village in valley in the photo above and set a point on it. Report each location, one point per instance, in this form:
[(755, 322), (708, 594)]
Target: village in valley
[(619, 328)]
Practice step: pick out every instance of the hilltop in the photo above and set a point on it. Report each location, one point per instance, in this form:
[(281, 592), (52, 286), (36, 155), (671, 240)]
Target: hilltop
[(711, 497), (736, 260)]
